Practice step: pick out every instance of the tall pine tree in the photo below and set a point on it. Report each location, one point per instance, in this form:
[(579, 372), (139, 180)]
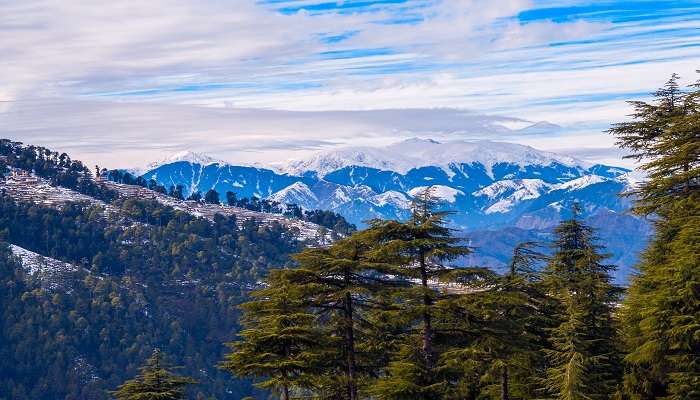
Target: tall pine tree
[(421, 248), (280, 341), (662, 308), (342, 284), (584, 359)]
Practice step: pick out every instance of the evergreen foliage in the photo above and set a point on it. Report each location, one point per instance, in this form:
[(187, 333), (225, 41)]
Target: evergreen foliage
[(58, 169), (662, 308), (663, 136), (280, 338), (341, 283), (584, 359), (338, 225), (211, 197), (154, 382), (147, 277)]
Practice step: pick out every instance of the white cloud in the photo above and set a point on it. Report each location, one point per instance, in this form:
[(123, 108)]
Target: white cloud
[(165, 59), (130, 134)]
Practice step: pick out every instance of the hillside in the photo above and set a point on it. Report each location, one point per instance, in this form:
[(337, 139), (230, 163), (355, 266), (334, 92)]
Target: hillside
[(96, 274)]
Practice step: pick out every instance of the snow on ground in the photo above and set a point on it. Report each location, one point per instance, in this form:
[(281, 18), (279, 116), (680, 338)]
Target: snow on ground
[(30, 188), (35, 263), (307, 230), (53, 274)]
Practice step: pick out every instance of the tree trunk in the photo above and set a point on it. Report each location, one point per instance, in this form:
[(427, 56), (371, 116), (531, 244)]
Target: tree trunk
[(427, 323), (350, 342), (285, 386), (504, 383)]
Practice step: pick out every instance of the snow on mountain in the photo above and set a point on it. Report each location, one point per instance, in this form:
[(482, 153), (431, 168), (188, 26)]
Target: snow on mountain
[(296, 193), (414, 153), (188, 156), (492, 186), (633, 178), (581, 182), (508, 193), (442, 192), (392, 198), (525, 188)]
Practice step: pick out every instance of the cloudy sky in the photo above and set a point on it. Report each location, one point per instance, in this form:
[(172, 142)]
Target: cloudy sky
[(126, 82)]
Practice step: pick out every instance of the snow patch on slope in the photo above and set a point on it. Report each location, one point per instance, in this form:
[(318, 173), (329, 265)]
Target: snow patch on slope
[(50, 271), (515, 191), (298, 193), (442, 192), (519, 188), (580, 183), (391, 197)]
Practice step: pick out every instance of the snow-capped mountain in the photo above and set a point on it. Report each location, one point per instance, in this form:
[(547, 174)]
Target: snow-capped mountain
[(415, 153), (489, 185)]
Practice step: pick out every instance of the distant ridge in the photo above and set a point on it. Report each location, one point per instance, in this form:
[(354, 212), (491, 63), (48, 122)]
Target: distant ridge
[(415, 153), (490, 186)]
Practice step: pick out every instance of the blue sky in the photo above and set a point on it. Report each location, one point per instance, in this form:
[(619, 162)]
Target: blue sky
[(74, 73)]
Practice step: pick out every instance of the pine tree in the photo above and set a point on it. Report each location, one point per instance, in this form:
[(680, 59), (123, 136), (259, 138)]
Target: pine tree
[(493, 333), (521, 325), (341, 283), (155, 382), (211, 197), (662, 308), (420, 247), (280, 338), (584, 359), (664, 136)]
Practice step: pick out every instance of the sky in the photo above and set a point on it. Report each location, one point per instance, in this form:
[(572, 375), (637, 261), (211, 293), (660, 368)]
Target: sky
[(123, 83)]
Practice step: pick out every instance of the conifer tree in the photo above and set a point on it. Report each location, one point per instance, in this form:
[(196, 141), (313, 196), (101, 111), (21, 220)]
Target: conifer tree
[(421, 248), (493, 332), (341, 283), (584, 360), (154, 382), (521, 324), (211, 197), (662, 308), (280, 340), (663, 136)]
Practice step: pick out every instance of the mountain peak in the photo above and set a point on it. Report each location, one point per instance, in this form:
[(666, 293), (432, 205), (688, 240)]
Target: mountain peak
[(193, 157), (413, 153), (185, 156)]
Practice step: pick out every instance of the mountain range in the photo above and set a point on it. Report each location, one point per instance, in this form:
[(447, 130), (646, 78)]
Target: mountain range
[(499, 193)]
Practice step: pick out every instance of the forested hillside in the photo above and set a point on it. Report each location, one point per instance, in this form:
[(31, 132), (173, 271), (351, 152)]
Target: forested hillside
[(143, 275)]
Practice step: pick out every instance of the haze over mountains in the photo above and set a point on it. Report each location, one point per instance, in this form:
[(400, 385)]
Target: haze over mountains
[(501, 193)]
